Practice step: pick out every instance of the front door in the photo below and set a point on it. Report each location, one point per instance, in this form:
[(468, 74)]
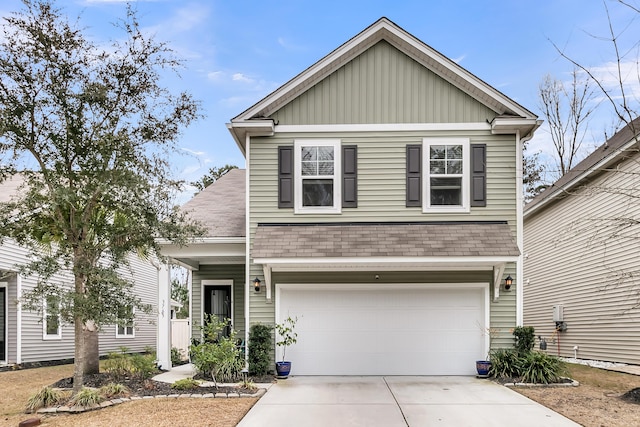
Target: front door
[(217, 302), (3, 323)]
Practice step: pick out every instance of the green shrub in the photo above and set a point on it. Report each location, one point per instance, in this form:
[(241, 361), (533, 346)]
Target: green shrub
[(185, 384), (217, 355), (525, 339), (86, 397), (45, 397), (143, 366), (260, 348), (541, 368), (150, 350), (117, 364), (505, 363), (114, 390)]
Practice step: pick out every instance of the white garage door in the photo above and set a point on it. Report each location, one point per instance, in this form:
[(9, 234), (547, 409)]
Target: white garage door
[(385, 331)]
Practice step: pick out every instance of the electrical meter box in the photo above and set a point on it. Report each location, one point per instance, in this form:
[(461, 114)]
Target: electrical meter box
[(558, 313)]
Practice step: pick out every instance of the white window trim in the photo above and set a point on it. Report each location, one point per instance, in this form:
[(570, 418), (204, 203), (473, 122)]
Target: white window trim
[(466, 170), (337, 177), (45, 335), (133, 328)]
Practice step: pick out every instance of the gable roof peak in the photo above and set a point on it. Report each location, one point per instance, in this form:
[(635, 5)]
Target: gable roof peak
[(255, 119)]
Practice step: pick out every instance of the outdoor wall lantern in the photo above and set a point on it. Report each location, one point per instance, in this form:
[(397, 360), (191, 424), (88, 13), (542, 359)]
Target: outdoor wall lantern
[(256, 284), (507, 283)]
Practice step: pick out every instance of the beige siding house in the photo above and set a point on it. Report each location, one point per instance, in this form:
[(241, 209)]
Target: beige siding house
[(382, 211), (27, 337), (581, 256)]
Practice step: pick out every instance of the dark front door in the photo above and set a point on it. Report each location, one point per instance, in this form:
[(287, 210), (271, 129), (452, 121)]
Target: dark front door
[(3, 323), (217, 302)]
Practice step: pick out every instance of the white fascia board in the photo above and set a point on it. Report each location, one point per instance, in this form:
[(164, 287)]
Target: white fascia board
[(508, 125), (420, 127), (384, 263), (579, 178)]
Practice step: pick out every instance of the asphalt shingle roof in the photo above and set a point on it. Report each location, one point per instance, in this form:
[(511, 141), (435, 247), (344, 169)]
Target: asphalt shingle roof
[(220, 207), (455, 239)]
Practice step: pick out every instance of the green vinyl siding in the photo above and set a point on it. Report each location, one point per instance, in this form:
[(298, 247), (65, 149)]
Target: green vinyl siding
[(383, 85), (381, 192), (235, 273), (502, 317)]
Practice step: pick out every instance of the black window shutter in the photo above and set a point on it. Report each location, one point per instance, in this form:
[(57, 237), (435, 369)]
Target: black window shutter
[(285, 177), (478, 174), (414, 175), (349, 176)]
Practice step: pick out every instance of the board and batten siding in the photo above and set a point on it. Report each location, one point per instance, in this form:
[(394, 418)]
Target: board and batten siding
[(572, 260), (381, 192), (233, 272), (383, 85), (36, 349)]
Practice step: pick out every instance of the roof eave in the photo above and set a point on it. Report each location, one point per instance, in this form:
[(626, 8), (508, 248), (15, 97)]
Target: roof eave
[(510, 125), (240, 129)]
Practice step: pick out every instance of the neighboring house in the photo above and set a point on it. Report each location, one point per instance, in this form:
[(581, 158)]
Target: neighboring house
[(581, 256), (383, 210), (26, 336)]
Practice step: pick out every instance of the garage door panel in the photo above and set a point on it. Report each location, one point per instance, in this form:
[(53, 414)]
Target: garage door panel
[(416, 331)]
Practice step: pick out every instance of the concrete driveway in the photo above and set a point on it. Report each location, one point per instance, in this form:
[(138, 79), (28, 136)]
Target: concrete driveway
[(397, 401)]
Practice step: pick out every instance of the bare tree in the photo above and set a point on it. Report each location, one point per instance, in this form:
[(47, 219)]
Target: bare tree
[(567, 108)]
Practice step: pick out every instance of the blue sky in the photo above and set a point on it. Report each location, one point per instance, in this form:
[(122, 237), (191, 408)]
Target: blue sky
[(238, 51)]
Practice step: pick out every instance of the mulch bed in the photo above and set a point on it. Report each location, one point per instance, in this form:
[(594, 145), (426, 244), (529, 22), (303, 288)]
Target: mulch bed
[(632, 396), (140, 387)]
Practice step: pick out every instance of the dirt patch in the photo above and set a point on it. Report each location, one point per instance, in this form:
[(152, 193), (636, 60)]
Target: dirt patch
[(596, 402)]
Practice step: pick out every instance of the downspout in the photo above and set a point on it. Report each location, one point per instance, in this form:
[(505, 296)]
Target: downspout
[(247, 244), (18, 319), (520, 228)]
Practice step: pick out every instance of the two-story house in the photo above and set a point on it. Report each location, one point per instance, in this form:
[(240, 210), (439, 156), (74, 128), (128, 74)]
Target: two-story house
[(381, 207)]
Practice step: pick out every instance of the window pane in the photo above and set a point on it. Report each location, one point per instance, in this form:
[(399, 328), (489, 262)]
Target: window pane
[(454, 151), (454, 166), (317, 192), (437, 167), (325, 168), (437, 152), (446, 191), (52, 319), (309, 168), (325, 153), (309, 153)]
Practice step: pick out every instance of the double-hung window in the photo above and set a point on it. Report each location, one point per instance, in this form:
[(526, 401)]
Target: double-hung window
[(446, 184), (317, 172), (124, 328), (51, 327)]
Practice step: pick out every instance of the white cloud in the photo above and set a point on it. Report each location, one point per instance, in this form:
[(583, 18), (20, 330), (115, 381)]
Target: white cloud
[(190, 169), (611, 73), (239, 77)]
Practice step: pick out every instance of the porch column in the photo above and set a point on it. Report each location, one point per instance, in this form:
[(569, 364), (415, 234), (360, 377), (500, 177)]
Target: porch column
[(164, 318)]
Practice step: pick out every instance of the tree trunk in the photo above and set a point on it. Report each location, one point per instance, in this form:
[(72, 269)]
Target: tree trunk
[(91, 351), (78, 362)]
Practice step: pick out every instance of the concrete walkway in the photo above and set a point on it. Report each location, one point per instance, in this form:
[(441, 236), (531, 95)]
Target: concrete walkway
[(397, 402)]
